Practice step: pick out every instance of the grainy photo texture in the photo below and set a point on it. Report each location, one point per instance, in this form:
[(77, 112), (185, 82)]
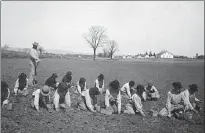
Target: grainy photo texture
[(102, 67)]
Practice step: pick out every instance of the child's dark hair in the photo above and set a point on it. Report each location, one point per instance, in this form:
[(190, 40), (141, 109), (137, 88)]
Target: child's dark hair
[(69, 77), (101, 77), (177, 85), (82, 80), (69, 73), (131, 83), (54, 75), (94, 91), (115, 84), (22, 81), (140, 89), (193, 87), (62, 90)]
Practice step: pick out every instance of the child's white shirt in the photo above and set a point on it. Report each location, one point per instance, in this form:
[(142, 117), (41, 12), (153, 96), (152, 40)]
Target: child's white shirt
[(153, 88), (137, 103), (98, 85), (126, 89), (79, 88), (108, 96), (88, 99), (36, 95)]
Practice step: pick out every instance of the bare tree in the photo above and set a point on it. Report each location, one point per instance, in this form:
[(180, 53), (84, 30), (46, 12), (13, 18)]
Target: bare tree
[(112, 47), (96, 37)]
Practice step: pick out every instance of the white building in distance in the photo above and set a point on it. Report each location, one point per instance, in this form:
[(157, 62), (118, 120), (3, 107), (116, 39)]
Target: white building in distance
[(165, 54)]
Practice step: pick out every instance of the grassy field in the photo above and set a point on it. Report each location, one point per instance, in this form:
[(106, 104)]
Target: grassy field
[(163, 73)]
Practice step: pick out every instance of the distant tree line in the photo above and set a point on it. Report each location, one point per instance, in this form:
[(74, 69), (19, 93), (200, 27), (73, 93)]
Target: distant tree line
[(200, 57), (10, 54), (150, 54), (13, 54), (181, 56)]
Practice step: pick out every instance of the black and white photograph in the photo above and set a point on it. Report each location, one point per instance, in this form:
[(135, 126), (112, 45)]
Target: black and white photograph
[(102, 67)]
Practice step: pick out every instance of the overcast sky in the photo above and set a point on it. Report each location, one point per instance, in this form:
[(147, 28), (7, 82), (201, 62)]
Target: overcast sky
[(135, 25)]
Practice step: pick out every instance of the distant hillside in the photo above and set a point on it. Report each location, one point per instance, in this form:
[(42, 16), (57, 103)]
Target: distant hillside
[(18, 49), (57, 51)]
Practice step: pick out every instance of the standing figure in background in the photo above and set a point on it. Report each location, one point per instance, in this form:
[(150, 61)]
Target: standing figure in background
[(34, 62), (99, 83), (21, 85)]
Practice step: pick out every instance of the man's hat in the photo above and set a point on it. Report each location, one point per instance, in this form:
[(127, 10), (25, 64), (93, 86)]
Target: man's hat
[(35, 44), (45, 90)]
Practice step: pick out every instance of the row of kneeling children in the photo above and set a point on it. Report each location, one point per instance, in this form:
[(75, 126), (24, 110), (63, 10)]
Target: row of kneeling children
[(54, 94)]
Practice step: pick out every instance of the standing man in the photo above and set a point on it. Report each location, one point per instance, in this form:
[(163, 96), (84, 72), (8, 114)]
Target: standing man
[(34, 61)]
